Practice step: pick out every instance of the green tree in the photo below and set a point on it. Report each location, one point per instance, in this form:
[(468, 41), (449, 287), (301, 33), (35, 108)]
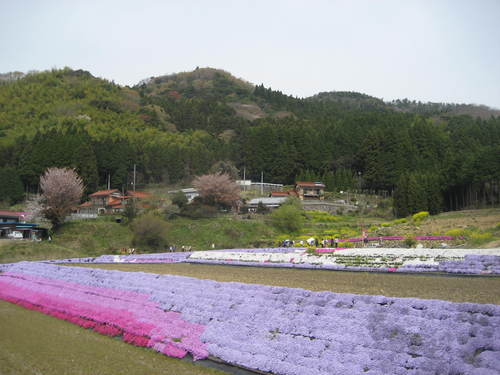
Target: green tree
[(130, 211), (150, 233), (287, 219), (179, 199), (11, 187)]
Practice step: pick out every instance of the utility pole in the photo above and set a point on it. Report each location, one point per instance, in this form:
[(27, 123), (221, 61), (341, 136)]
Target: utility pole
[(109, 181), (134, 177), (261, 183), (244, 179)]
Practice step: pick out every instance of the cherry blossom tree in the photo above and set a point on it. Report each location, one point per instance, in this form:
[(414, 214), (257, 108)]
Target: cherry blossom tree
[(218, 189), (62, 190)]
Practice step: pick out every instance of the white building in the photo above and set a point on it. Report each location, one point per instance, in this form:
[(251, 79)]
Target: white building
[(268, 202)]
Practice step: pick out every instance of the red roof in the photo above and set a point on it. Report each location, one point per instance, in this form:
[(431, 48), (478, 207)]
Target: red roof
[(114, 201), (309, 184), (86, 204), (11, 213), (280, 194), (104, 193), (138, 194)]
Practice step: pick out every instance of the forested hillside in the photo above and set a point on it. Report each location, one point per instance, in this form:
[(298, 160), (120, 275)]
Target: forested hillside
[(177, 126)]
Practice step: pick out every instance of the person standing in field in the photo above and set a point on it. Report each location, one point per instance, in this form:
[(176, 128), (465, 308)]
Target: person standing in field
[(365, 238)]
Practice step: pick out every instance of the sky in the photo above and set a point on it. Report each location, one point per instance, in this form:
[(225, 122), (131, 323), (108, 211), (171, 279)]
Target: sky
[(427, 50)]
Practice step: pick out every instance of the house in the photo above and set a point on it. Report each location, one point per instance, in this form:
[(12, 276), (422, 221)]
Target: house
[(11, 216), (263, 187), (109, 201), (268, 202), (12, 226), (103, 201), (22, 231), (310, 190), (286, 194)]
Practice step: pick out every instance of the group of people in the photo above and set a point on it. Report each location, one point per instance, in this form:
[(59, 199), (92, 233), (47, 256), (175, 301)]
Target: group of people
[(327, 242), (332, 242), (173, 248)]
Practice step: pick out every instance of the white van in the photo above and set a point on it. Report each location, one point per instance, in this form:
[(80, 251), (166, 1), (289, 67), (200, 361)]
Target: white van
[(16, 235)]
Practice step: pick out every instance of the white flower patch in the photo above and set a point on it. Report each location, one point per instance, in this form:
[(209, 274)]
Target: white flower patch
[(358, 257)]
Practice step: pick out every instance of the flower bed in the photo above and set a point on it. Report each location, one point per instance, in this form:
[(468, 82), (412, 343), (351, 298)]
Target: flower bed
[(109, 311), (169, 257), (273, 329), (471, 261)]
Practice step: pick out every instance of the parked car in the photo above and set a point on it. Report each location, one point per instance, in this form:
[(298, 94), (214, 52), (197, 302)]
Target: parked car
[(16, 235)]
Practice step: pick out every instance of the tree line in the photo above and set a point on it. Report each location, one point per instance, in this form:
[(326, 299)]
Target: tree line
[(179, 128)]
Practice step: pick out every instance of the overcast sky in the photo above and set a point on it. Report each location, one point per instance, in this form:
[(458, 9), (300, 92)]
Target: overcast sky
[(428, 50)]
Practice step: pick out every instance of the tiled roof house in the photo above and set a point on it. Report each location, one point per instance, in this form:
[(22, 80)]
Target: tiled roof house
[(310, 190), (109, 201)]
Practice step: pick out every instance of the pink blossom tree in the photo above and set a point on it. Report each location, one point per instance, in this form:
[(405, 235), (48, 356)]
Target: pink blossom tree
[(218, 189), (62, 190)]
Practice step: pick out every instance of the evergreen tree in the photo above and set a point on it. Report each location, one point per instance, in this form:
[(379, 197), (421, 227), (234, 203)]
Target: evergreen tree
[(11, 187)]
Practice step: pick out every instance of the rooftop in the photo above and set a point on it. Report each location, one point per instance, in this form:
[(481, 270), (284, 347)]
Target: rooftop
[(6, 213), (138, 194), (103, 193), (310, 184), (267, 200)]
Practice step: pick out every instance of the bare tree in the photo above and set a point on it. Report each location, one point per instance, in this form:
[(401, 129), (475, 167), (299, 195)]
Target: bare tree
[(62, 190), (217, 189)]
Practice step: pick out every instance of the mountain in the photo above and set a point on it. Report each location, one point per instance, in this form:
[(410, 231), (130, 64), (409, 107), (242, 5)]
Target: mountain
[(202, 82), (352, 100), (358, 101), (213, 93), (178, 126)]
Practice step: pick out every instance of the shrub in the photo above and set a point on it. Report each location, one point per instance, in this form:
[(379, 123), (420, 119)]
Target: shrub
[(420, 216), (199, 210), (287, 218), (294, 202), (179, 199), (410, 242), (478, 238), (458, 233), (400, 221), (150, 233)]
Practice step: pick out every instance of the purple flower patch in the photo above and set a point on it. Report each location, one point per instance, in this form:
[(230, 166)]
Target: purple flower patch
[(272, 329)]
